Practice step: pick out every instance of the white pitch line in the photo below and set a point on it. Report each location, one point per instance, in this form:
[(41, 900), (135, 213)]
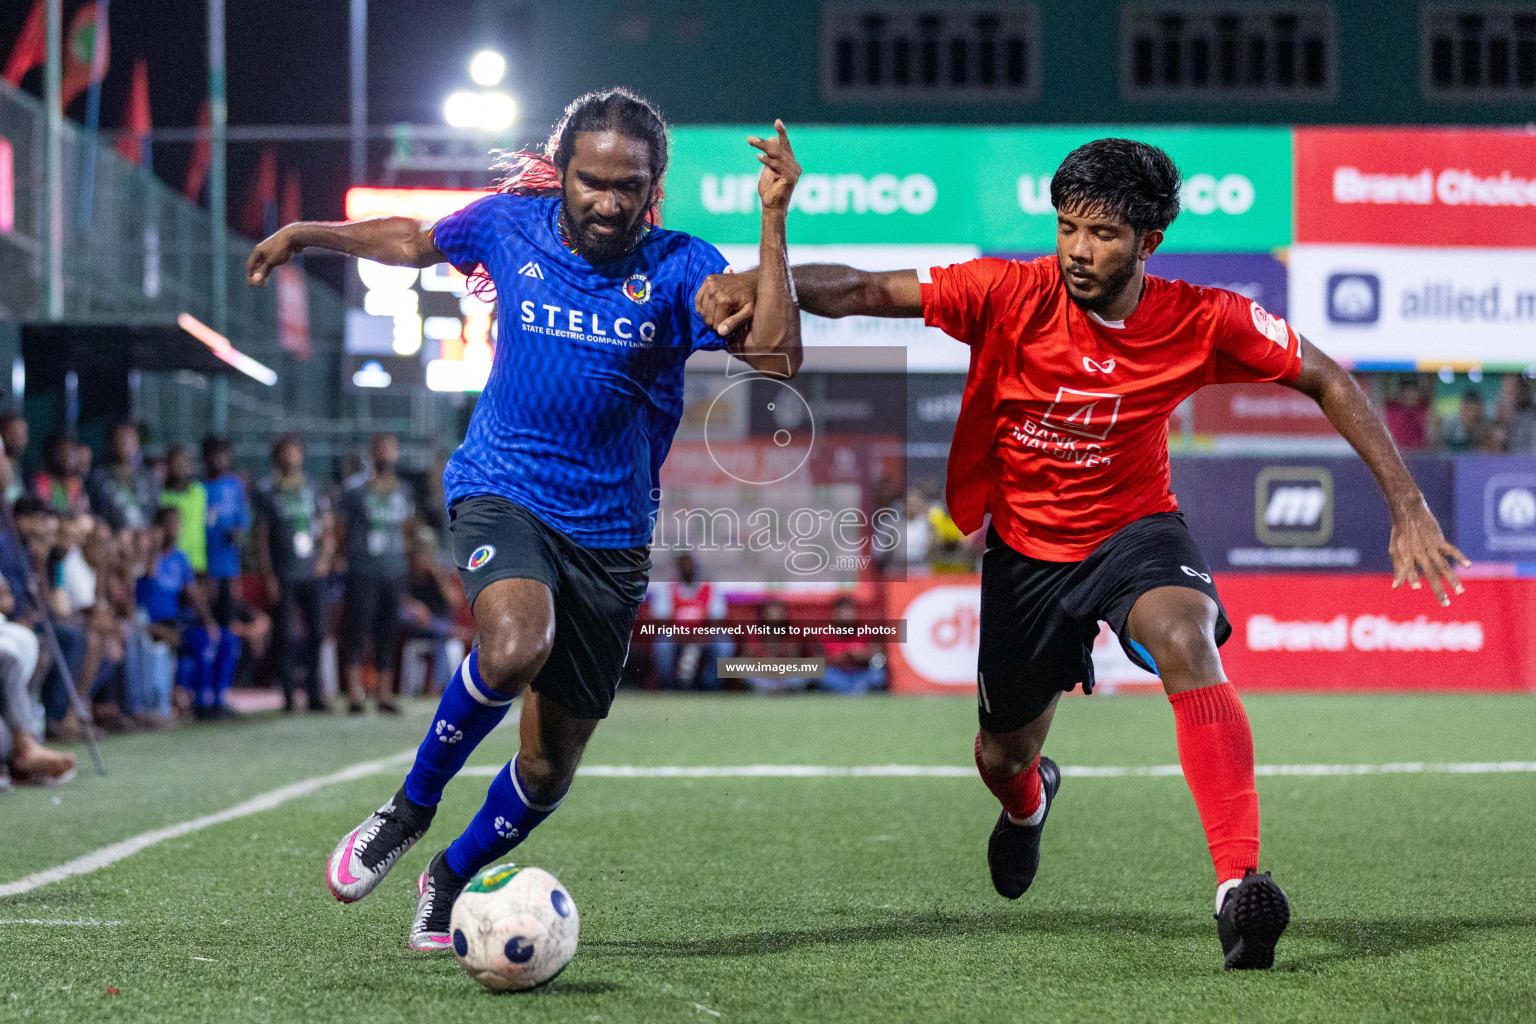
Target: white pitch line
[(98, 859), (85, 923), (944, 771), (117, 851)]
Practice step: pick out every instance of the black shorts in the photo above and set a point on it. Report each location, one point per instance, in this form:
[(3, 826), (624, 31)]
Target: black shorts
[(1039, 619), (370, 611), (597, 592)]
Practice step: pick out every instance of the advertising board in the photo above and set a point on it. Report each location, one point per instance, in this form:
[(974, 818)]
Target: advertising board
[(1416, 186), (1288, 634), (1496, 508), (1276, 515), (988, 187)]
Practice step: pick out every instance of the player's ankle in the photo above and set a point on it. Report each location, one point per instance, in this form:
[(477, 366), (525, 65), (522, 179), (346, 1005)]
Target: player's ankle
[(1030, 819)]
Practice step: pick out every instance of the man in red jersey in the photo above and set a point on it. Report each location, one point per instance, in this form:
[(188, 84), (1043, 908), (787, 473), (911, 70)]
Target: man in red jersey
[(1076, 363)]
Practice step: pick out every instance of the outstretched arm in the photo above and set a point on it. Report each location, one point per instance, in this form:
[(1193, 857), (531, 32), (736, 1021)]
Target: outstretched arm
[(399, 241), (826, 289), (1417, 545), (773, 343)]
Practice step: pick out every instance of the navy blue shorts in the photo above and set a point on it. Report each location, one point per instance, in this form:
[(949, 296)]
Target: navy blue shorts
[(597, 594)]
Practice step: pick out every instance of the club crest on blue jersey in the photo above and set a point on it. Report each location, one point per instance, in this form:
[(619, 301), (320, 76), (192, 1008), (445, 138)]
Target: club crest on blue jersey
[(482, 554), (637, 288)]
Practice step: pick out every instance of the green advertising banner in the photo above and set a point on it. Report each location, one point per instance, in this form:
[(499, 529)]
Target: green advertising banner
[(988, 187)]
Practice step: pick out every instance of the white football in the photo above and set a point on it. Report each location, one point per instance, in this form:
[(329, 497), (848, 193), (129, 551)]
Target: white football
[(514, 928)]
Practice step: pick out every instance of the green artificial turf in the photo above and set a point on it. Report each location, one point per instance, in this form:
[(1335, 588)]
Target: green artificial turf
[(805, 899)]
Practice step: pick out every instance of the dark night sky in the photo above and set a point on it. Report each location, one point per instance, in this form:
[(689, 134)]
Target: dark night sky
[(287, 64)]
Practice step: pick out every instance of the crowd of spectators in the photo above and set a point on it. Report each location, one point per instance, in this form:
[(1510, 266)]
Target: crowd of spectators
[(165, 582), (1466, 422)]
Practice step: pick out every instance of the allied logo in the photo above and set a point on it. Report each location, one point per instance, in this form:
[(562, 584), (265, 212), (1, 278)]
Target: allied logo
[(1517, 509), (1293, 506), (1354, 298), (482, 554), (1509, 512), (637, 288), (532, 269)]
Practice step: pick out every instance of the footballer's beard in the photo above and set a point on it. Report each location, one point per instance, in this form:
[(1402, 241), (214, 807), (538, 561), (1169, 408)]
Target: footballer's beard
[(597, 248), (1111, 291)]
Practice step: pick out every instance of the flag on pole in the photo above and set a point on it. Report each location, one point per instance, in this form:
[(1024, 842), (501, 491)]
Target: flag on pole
[(134, 146), (292, 293), (202, 158), (85, 63), (259, 217), (31, 46)]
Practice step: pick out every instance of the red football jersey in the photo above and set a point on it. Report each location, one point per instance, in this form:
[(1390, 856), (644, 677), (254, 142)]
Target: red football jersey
[(1063, 430)]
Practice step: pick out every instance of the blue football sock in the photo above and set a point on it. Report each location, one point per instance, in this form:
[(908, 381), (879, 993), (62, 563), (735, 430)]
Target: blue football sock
[(466, 715), (502, 822)]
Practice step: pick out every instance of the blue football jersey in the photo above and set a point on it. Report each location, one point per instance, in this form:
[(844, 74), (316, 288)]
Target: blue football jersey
[(586, 388)]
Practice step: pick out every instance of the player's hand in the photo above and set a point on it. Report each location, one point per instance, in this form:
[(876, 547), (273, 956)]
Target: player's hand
[(269, 254), (725, 300), (1419, 548), (780, 169)]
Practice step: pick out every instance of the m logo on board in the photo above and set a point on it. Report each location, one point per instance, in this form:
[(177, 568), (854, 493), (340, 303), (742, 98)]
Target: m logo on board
[(1293, 506)]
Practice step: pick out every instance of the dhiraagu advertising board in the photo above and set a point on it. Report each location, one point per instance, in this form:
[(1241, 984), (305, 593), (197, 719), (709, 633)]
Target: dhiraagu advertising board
[(986, 187)]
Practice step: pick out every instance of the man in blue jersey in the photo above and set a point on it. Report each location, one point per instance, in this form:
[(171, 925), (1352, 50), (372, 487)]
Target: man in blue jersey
[(552, 492)]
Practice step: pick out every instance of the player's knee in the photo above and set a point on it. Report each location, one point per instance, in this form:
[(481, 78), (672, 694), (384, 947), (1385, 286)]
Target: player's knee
[(545, 778), (509, 661), (1006, 754), (1185, 648)]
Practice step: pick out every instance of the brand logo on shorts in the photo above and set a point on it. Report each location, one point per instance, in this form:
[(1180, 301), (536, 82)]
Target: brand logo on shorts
[(637, 288), (482, 554), (1196, 573)]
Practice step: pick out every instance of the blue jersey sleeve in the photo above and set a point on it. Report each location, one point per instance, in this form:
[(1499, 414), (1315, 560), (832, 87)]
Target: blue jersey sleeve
[(704, 260), (468, 237)]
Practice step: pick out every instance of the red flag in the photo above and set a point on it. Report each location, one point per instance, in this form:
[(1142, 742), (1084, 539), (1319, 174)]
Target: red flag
[(31, 46), (263, 197), (85, 56), (136, 120), (292, 293), (202, 158), (7, 186)]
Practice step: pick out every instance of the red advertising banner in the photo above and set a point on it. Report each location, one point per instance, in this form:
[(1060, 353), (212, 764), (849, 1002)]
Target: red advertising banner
[(943, 616), (1257, 409), (1422, 187), (1290, 632), (1354, 632)]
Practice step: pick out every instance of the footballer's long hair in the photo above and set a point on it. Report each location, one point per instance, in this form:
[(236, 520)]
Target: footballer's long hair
[(536, 172), (1120, 178)]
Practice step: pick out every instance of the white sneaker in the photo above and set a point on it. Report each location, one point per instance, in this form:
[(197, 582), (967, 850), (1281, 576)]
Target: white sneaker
[(430, 930), (365, 855)]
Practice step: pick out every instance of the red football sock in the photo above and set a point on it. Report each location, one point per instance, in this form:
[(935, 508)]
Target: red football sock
[(1216, 751), (1019, 794)]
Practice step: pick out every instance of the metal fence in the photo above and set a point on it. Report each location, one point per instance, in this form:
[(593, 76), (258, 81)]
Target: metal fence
[(136, 251)]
